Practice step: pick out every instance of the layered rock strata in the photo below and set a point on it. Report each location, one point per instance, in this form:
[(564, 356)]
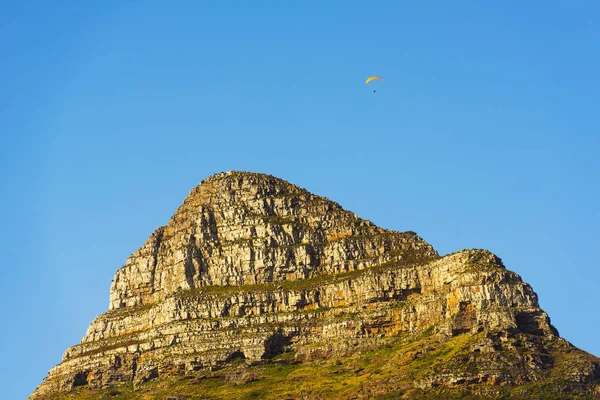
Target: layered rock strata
[(252, 266)]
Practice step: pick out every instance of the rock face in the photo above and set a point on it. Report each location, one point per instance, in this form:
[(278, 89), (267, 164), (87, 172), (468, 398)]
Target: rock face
[(252, 267)]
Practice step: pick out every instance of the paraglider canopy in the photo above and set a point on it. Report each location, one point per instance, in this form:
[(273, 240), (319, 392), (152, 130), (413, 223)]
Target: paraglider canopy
[(372, 78), (369, 79)]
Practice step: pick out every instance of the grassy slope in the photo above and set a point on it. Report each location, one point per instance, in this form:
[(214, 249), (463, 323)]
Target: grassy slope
[(387, 372)]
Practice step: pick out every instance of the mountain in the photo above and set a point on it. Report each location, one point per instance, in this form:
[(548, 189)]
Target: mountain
[(257, 288)]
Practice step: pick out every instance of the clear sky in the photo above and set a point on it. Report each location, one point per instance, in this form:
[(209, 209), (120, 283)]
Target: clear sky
[(484, 133)]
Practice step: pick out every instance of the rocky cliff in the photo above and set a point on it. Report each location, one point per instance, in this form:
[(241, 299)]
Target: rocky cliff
[(253, 275)]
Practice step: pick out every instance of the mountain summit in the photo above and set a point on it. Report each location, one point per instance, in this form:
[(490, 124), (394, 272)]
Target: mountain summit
[(257, 288)]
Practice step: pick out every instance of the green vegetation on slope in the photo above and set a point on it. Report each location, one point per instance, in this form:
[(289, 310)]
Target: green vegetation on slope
[(392, 370)]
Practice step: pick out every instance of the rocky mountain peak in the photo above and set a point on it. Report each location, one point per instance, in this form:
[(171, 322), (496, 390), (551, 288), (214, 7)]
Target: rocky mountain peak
[(256, 288), (240, 228)]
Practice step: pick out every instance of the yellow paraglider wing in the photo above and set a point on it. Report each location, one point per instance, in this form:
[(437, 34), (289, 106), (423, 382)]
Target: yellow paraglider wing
[(369, 79)]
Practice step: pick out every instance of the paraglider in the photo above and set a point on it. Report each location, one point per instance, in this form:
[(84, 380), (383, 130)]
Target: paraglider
[(372, 78)]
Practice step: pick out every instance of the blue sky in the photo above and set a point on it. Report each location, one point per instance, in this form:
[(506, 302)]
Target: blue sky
[(484, 133)]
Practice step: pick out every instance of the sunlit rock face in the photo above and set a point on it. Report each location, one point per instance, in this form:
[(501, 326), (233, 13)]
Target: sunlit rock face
[(245, 229), (252, 266)]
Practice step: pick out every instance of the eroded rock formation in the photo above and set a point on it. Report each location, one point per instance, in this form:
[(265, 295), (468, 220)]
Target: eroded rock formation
[(252, 266)]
